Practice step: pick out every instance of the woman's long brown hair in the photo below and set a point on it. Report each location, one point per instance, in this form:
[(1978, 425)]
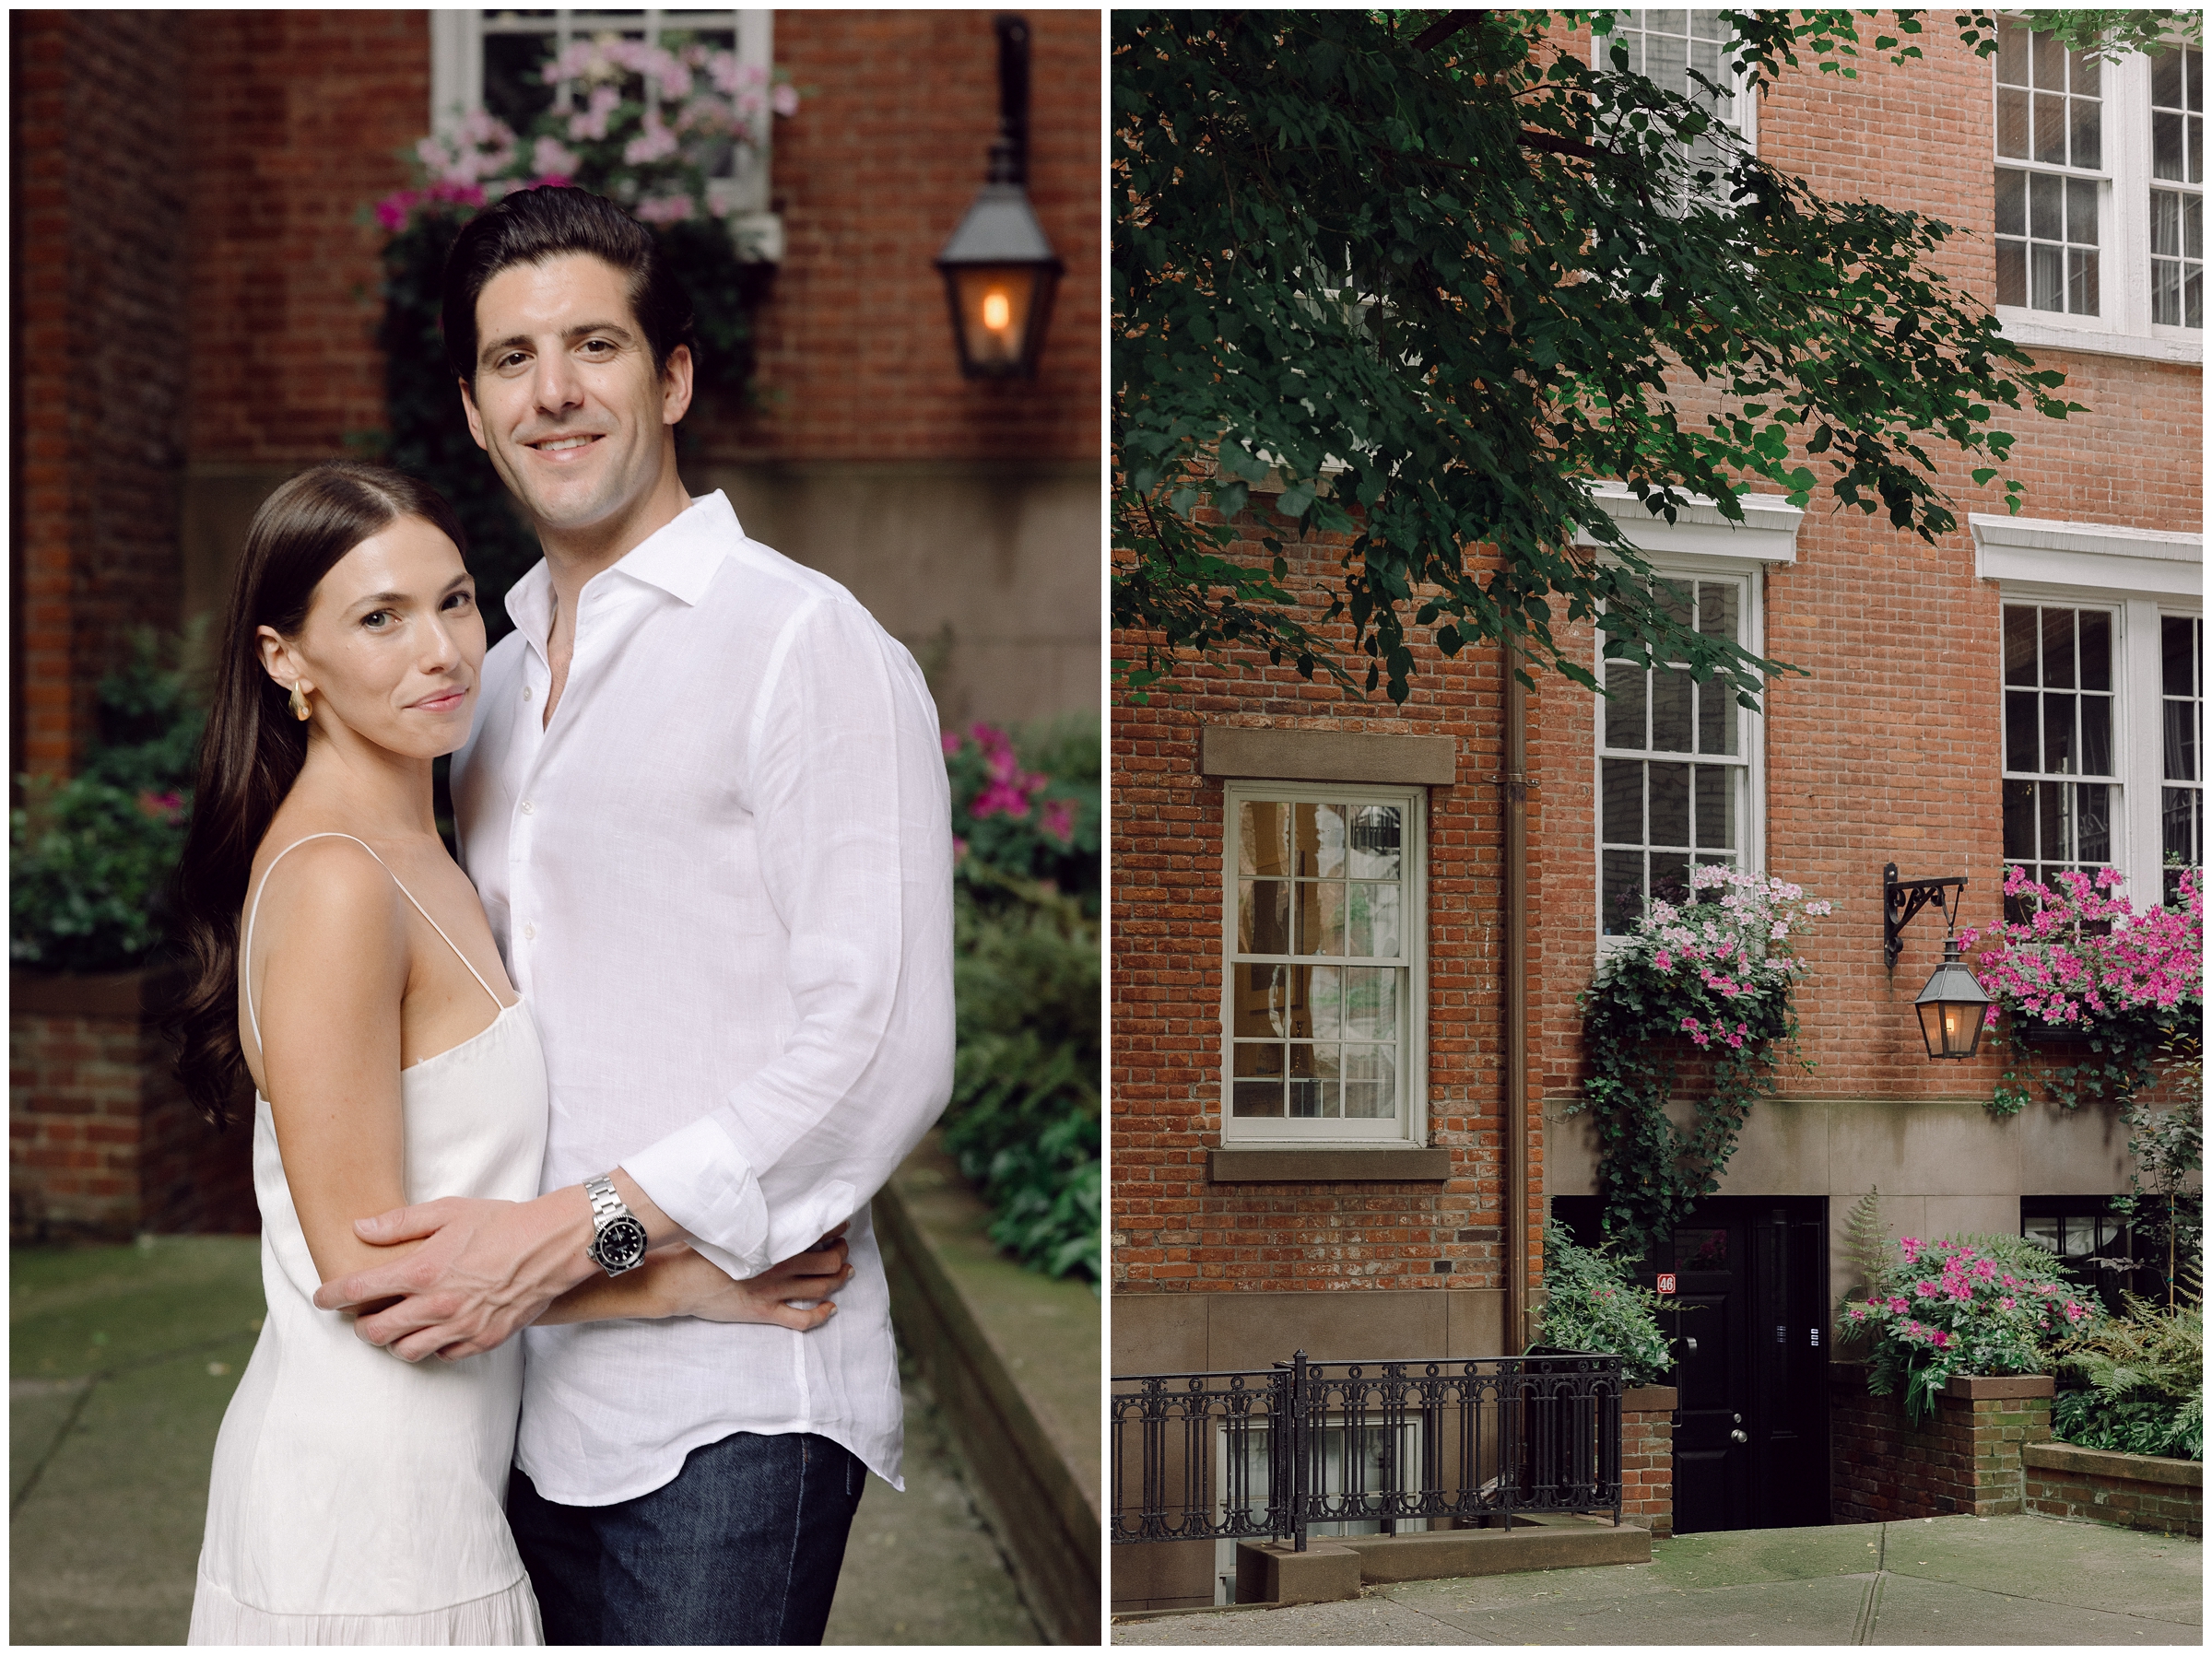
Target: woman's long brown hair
[(253, 748)]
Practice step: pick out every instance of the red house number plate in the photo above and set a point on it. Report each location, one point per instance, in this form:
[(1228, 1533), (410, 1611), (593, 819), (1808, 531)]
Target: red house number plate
[(1666, 1284)]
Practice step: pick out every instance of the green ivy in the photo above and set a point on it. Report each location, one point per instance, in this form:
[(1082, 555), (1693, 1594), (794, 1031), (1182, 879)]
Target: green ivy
[(1650, 1173)]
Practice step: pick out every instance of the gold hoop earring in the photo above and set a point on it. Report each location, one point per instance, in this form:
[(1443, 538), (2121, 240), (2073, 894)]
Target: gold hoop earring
[(301, 710)]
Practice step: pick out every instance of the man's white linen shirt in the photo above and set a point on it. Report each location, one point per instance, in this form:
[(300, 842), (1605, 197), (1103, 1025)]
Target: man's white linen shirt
[(722, 878)]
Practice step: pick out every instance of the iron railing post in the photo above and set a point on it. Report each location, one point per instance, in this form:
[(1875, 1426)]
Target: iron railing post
[(1300, 1451)]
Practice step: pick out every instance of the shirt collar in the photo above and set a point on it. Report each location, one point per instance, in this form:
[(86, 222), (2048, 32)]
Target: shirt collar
[(680, 558)]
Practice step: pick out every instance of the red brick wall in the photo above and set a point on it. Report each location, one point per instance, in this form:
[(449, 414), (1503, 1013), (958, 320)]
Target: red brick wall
[(295, 122), (2112, 1496), (102, 1139), (1964, 1459), (856, 357), (1173, 1230), (1647, 1460), (99, 365)]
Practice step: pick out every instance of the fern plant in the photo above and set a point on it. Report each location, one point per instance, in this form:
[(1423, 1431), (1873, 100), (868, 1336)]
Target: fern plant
[(1867, 1251), (2142, 1379)]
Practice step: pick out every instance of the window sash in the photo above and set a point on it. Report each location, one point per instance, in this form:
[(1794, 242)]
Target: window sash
[(1662, 810), (1315, 1006)]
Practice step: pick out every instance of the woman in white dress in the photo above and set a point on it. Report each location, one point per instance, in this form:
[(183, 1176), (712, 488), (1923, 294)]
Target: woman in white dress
[(356, 1497)]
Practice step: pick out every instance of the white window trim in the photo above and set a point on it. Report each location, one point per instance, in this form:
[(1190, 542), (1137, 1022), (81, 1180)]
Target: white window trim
[(1700, 541), (1256, 1131), (2138, 575), (1745, 122), (2124, 329), (457, 88)]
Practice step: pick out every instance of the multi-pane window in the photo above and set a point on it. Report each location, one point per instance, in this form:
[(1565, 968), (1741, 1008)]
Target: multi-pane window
[(2051, 120), (2181, 795), (2177, 198), (1322, 902), (1674, 780), (1666, 47), (2060, 782), (2095, 1249)]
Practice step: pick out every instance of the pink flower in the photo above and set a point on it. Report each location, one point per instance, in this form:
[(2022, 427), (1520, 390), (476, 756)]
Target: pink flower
[(549, 158), (1924, 1289), (1057, 818), (2006, 1302), (655, 142), (591, 120), (1943, 1340), (785, 100), (950, 743), (664, 209)]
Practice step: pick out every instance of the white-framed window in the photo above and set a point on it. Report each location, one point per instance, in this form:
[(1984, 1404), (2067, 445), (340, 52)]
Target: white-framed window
[(1324, 1014), (1663, 47), (2177, 190), (2100, 741), (1673, 760), (495, 61), (2181, 750), (2061, 768), (1679, 769), (1366, 1459), (2098, 195)]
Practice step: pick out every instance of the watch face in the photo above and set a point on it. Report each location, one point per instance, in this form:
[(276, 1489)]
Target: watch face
[(621, 1244)]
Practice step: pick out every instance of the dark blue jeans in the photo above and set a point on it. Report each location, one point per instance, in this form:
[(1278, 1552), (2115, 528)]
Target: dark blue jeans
[(742, 1547)]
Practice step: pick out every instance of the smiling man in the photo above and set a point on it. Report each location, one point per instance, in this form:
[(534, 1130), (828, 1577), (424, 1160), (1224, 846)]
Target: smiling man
[(705, 807)]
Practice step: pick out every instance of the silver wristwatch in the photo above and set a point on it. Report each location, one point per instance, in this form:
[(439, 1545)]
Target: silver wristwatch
[(618, 1239)]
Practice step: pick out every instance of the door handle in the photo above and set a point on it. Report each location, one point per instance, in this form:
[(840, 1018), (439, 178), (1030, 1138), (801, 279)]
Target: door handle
[(1738, 1437)]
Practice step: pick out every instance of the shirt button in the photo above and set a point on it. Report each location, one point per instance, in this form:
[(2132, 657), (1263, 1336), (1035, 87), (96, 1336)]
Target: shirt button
[(528, 808), (527, 692), (530, 933)]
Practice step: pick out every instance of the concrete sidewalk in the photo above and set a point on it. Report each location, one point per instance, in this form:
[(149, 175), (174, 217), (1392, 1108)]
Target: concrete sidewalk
[(1944, 1580), (122, 1361)]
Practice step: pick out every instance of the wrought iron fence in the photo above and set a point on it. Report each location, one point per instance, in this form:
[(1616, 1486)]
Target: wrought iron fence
[(1271, 1452)]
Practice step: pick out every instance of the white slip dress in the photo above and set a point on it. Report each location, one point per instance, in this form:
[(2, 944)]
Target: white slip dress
[(357, 1499)]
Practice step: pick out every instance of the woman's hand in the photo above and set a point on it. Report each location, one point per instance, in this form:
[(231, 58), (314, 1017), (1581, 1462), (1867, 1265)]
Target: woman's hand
[(794, 1294)]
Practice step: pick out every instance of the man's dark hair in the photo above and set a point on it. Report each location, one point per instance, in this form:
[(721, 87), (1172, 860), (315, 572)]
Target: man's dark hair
[(530, 227)]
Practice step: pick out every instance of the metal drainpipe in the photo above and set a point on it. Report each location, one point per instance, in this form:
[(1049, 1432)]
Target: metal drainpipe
[(1515, 1124)]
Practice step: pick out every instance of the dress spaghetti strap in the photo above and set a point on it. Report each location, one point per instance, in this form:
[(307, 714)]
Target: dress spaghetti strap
[(246, 950)]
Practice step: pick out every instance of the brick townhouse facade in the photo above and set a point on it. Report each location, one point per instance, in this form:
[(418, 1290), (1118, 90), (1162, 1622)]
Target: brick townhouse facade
[(1249, 804), (194, 300)]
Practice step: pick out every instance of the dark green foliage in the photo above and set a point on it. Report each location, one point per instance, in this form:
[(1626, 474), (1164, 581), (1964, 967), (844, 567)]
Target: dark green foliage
[(90, 859), (428, 431), (1438, 279), (2143, 1378), (1591, 1303), (2150, 1426), (1866, 1253), (1652, 1174), (1024, 1116)]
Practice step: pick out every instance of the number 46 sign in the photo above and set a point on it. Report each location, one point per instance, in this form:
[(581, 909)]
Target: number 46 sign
[(1666, 1283)]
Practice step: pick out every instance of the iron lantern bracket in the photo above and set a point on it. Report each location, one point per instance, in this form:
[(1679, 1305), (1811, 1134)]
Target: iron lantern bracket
[(1902, 898)]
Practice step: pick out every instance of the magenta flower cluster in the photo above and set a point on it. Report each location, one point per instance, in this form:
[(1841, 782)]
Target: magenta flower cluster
[(652, 155), (1958, 1309), (1008, 789), (1733, 938), (2085, 954)]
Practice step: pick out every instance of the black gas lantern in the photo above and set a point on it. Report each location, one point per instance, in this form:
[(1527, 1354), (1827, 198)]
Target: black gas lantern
[(999, 269), (1952, 1008)]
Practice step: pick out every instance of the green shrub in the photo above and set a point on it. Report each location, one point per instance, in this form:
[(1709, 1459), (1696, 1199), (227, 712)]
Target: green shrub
[(2142, 1381), (1591, 1303), (90, 858), (1024, 1118)]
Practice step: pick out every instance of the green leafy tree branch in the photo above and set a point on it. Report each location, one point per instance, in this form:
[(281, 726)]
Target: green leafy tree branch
[(1433, 277)]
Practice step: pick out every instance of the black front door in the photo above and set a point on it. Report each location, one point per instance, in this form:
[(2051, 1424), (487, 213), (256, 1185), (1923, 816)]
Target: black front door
[(1749, 1320)]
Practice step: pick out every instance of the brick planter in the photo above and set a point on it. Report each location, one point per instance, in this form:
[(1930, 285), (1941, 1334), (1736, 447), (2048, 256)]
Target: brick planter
[(1647, 1458), (101, 1141), (1964, 1459), (2128, 1491)]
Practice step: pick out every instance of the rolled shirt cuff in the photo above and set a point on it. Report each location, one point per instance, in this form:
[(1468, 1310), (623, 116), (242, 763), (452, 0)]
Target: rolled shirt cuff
[(699, 1178)]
